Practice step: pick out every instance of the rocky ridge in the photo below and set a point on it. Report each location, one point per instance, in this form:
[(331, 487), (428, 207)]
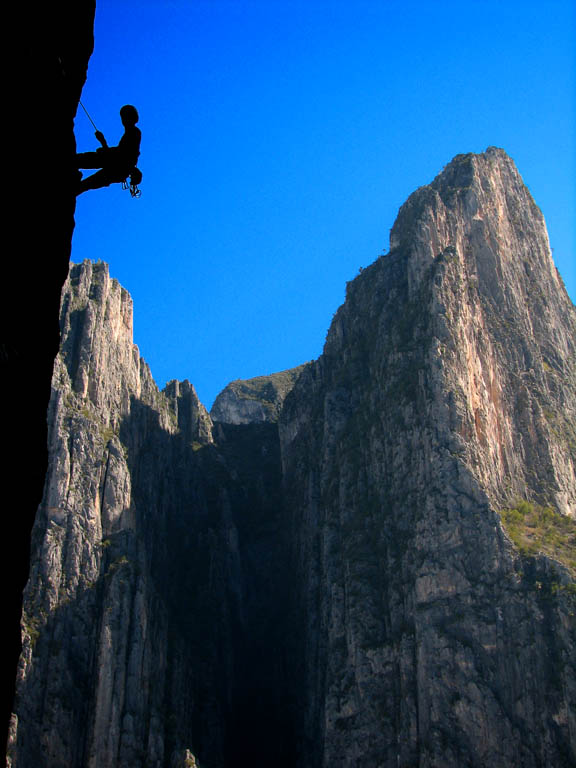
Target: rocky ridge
[(326, 577), (248, 401)]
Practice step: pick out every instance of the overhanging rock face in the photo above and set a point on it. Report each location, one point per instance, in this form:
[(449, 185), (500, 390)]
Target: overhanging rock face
[(322, 576), (50, 45)]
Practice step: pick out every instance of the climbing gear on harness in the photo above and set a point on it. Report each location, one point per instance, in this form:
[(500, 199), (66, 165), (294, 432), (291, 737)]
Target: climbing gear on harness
[(135, 177)]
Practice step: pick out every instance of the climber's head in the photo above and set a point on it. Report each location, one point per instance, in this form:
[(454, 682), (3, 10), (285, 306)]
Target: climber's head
[(129, 115)]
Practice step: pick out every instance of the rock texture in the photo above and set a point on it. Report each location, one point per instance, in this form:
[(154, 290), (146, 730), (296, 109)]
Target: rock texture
[(320, 575), (255, 400), (140, 614), (446, 391)]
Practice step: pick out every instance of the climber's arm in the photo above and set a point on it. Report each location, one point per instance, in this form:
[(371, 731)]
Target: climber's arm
[(100, 136)]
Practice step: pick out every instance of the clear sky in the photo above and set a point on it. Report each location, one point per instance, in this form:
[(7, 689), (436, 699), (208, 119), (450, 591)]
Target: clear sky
[(280, 138)]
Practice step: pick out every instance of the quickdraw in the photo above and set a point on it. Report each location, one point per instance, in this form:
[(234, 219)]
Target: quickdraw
[(135, 177), (134, 191)]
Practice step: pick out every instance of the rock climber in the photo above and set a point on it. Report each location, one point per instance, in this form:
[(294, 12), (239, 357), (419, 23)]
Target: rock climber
[(116, 163)]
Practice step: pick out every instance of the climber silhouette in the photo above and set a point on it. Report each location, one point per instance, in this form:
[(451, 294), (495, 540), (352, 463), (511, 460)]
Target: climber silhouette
[(116, 163)]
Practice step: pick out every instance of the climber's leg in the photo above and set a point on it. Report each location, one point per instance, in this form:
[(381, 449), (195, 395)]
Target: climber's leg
[(96, 181), (92, 159)]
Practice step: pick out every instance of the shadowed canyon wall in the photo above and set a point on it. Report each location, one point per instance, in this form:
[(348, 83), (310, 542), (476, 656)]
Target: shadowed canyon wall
[(335, 567)]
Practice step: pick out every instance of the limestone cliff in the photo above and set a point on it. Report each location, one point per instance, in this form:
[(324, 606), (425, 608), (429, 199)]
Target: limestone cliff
[(140, 598), (254, 400), (369, 565), (446, 392)]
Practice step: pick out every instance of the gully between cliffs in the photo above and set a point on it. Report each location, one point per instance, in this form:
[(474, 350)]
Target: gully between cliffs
[(263, 690), (220, 569)]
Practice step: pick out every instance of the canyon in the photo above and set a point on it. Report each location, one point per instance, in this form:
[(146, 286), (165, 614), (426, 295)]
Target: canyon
[(367, 561)]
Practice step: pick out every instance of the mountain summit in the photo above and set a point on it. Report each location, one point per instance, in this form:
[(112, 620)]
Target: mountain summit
[(367, 561)]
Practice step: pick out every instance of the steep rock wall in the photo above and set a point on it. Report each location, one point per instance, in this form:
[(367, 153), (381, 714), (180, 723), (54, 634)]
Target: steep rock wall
[(139, 612), (446, 391)]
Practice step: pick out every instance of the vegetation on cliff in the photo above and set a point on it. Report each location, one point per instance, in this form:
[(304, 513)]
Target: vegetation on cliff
[(538, 529)]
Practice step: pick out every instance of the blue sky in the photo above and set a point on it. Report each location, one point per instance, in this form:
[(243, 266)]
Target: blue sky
[(280, 138)]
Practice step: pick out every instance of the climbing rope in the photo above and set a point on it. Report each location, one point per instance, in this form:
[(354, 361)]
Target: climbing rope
[(87, 114)]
